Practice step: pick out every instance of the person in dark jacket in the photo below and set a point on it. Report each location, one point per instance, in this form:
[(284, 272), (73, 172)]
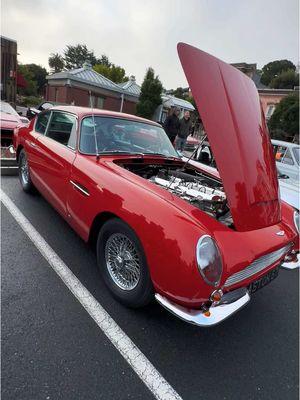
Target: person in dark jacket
[(185, 126), (171, 124)]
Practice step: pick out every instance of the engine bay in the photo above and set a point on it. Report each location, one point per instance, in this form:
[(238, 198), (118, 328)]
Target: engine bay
[(189, 184)]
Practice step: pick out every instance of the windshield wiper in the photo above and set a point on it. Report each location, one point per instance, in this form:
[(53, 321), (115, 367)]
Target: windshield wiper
[(120, 152), (160, 154)]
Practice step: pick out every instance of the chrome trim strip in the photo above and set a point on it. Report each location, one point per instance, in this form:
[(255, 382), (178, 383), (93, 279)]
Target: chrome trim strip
[(83, 191), (258, 265), (218, 313)]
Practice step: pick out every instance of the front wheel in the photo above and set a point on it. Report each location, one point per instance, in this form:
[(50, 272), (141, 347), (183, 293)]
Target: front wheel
[(123, 265), (24, 173)]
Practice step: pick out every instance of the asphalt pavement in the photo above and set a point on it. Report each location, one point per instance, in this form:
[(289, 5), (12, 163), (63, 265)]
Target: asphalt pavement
[(52, 349)]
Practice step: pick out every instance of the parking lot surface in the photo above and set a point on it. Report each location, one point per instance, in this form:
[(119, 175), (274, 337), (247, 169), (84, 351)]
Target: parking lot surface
[(52, 348)]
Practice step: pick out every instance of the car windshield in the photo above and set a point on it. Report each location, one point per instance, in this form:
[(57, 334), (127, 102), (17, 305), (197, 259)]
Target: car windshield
[(7, 109), (116, 135), (296, 151)]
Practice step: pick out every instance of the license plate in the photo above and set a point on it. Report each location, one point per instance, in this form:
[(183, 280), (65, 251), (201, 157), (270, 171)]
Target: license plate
[(263, 281)]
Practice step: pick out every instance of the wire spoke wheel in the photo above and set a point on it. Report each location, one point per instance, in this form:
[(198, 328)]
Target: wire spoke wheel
[(122, 261)]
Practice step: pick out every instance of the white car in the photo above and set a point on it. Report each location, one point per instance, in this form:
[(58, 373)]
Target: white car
[(287, 158), (289, 190)]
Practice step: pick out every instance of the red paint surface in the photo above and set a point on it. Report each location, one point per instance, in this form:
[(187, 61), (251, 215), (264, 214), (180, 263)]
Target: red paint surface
[(228, 103)]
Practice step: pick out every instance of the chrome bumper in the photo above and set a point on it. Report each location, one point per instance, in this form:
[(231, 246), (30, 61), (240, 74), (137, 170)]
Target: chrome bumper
[(292, 264), (231, 303)]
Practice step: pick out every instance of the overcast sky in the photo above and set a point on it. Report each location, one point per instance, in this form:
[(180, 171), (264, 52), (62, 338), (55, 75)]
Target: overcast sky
[(136, 34)]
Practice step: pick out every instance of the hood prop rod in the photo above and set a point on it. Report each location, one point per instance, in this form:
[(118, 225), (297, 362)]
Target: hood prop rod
[(185, 164)]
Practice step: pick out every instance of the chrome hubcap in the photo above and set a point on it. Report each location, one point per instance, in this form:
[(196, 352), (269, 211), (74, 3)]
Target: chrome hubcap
[(24, 169), (122, 261)]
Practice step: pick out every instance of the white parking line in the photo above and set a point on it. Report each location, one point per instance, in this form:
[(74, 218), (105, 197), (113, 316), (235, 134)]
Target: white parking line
[(160, 388)]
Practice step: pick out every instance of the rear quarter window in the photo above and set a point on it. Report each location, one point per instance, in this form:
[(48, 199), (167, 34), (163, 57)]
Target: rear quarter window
[(42, 122)]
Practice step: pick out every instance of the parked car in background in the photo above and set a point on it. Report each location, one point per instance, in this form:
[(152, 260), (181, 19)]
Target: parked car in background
[(200, 243), (10, 119), (191, 143), (45, 105), (287, 158), (289, 188)]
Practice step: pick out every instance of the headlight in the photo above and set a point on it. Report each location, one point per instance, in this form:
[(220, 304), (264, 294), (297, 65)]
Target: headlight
[(296, 220), (209, 260)]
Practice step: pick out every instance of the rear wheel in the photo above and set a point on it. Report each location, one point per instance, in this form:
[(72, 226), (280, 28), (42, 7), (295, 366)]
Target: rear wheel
[(24, 173), (123, 264)]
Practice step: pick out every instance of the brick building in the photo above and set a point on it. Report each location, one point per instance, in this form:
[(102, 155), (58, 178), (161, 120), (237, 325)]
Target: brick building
[(8, 76), (269, 98), (82, 85)]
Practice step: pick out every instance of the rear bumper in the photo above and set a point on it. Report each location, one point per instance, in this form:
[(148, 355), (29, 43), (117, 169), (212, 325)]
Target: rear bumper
[(231, 303)]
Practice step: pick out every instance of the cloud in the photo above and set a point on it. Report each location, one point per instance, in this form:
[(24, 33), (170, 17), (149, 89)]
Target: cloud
[(137, 34)]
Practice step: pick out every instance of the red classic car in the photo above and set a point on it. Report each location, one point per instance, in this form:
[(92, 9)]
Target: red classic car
[(163, 228)]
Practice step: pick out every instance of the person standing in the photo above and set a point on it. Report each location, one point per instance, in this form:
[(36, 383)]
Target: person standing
[(171, 124), (185, 126)]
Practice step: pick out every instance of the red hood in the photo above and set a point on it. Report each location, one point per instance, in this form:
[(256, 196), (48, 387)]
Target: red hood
[(230, 110)]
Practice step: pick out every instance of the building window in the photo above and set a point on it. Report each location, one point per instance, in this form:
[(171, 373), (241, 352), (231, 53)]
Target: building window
[(100, 102), (96, 102), (270, 110)]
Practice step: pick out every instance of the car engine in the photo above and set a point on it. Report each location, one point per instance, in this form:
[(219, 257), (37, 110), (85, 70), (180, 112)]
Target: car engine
[(200, 190), (195, 190)]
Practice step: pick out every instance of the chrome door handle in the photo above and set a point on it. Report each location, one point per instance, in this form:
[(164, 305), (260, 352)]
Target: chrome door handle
[(32, 144), (80, 188)]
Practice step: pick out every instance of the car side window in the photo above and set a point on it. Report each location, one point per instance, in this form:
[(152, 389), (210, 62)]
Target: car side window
[(42, 122), (287, 158), (62, 128), (280, 151)]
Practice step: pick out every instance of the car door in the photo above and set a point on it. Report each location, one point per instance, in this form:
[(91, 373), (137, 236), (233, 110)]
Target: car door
[(54, 154)]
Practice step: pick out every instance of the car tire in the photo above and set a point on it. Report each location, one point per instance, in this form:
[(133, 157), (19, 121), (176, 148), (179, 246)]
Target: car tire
[(24, 173), (123, 264)]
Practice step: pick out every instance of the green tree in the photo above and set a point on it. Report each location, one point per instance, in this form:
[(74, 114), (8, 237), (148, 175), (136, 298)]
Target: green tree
[(273, 69), (39, 76), (181, 93), (103, 60), (284, 122), (31, 88), (285, 80), (56, 62), (150, 97), (75, 56), (112, 72)]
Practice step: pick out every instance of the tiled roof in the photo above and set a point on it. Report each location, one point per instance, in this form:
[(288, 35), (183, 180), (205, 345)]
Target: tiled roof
[(173, 101), (89, 76), (131, 86), (256, 79)]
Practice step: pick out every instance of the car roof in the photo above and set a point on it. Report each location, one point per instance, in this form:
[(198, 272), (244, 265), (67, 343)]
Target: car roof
[(86, 111), (286, 144)]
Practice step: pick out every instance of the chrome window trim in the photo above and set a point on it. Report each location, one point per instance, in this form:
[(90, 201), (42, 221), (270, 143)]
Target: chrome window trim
[(76, 129), (36, 119)]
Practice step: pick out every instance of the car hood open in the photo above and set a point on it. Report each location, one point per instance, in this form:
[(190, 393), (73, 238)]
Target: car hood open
[(229, 106)]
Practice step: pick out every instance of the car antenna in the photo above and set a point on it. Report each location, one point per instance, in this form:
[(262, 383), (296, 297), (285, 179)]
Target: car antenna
[(94, 127)]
